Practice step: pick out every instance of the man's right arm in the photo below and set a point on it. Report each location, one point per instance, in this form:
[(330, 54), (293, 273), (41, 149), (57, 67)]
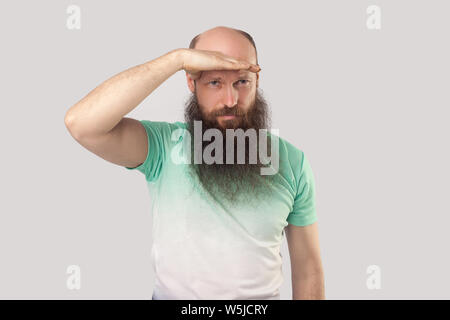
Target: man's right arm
[(98, 120)]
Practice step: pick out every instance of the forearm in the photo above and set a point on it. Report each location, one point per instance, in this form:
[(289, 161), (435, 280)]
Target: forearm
[(102, 109), (308, 286)]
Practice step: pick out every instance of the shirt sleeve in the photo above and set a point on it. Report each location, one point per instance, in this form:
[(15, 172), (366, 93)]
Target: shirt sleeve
[(304, 208), (157, 133)]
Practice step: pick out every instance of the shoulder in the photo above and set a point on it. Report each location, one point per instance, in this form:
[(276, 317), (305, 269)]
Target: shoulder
[(289, 154), (292, 164)]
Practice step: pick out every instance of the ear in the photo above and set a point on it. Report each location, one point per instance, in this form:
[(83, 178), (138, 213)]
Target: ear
[(191, 84), (257, 79)]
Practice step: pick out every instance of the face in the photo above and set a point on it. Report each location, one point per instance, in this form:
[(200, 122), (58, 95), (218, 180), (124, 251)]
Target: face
[(229, 182), (226, 96)]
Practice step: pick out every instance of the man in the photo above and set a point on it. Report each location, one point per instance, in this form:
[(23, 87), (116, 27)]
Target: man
[(217, 226)]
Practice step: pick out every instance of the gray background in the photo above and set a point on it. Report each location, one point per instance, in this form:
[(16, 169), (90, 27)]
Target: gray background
[(368, 107)]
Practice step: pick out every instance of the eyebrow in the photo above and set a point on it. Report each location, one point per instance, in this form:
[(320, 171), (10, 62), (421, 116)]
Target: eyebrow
[(244, 74)]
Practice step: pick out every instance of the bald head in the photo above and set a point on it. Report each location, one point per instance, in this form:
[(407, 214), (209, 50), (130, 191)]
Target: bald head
[(232, 42)]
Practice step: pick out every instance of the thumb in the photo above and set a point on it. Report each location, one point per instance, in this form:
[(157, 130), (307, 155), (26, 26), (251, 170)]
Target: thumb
[(195, 75)]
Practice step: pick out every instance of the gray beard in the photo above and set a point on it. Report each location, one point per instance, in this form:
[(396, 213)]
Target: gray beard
[(231, 183)]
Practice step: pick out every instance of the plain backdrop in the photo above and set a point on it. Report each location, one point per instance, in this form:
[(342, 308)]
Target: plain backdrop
[(369, 108)]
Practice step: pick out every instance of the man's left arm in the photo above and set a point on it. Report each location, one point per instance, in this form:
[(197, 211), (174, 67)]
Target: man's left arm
[(306, 265)]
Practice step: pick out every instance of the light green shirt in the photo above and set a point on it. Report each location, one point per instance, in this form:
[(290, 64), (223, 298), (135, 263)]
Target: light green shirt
[(204, 249)]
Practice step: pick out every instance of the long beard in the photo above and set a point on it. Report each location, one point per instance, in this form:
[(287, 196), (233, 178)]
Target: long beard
[(235, 182)]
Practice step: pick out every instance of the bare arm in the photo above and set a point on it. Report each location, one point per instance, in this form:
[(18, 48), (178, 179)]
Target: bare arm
[(97, 121), (101, 110), (306, 265)]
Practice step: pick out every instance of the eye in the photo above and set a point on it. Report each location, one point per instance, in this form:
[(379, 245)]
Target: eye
[(246, 81)]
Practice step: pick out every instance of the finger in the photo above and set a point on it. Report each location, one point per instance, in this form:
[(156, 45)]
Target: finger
[(249, 66), (255, 68), (238, 65), (235, 61)]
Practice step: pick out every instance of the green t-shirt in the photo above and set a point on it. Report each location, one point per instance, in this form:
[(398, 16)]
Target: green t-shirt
[(204, 249)]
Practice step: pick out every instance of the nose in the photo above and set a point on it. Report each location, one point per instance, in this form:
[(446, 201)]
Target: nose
[(231, 97)]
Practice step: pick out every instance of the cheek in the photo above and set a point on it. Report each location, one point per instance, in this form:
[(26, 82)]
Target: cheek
[(247, 98), (206, 99), (206, 109)]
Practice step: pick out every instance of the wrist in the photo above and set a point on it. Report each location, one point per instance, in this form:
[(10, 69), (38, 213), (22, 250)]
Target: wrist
[(178, 58)]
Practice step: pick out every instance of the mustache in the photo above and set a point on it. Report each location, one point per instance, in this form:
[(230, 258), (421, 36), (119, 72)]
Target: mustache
[(235, 111)]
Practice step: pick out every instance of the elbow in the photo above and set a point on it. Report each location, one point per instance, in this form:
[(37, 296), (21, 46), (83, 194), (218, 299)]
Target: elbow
[(68, 119), (69, 122)]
